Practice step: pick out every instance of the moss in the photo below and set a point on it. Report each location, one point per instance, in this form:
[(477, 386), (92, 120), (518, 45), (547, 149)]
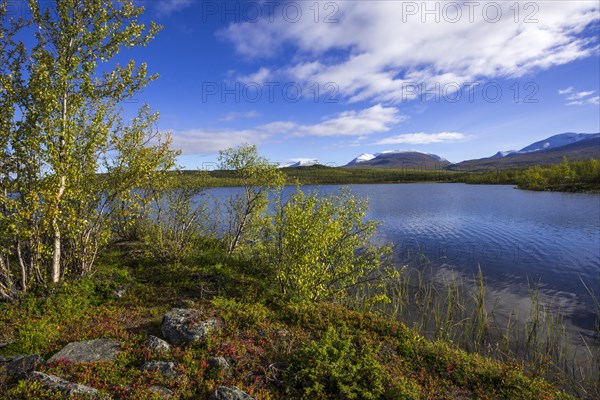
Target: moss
[(277, 350)]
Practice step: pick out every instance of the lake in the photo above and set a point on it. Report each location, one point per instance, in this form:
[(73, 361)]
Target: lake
[(519, 238)]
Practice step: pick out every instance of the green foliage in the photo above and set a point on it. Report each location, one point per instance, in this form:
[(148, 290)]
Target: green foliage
[(580, 176), (332, 352), (566, 176), (258, 178), (176, 224), (41, 320), (335, 367), (240, 313), (68, 89), (319, 246)]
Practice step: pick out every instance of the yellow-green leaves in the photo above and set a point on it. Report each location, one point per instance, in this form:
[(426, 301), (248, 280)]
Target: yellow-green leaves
[(68, 129), (259, 178), (319, 246)]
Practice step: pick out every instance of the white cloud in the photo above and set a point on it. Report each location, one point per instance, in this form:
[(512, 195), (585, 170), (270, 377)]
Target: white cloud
[(567, 90), (376, 48), (259, 76), (422, 138), (359, 123), (168, 7), (573, 98), (371, 120), (207, 141), (580, 95), (232, 116)]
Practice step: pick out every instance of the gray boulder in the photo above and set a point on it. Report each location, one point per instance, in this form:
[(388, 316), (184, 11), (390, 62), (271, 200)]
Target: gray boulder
[(158, 345), (165, 368), (218, 365), (21, 367), (55, 383), (162, 392), (88, 351), (230, 393), (183, 325)]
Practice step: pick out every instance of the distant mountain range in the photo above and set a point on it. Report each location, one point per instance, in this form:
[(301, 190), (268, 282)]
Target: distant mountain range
[(400, 159), (574, 146)]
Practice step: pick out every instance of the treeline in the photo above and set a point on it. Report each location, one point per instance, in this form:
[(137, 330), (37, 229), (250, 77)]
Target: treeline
[(576, 176), (322, 175)]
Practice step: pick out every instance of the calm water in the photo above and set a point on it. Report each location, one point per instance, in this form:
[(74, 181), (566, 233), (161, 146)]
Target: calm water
[(519, 238)]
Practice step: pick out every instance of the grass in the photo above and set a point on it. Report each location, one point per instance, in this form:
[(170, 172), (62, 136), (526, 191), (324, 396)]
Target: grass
[(278, 350), (459, 310)]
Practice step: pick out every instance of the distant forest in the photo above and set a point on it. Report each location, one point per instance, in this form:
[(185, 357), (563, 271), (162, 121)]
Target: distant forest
[(576, 176)]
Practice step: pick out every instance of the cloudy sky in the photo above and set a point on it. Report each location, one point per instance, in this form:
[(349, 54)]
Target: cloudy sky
[(330, 80)]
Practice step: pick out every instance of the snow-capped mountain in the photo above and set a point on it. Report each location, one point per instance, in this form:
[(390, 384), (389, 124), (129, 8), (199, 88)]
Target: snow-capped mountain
[(553, 142), (501, 154), (362, 158), (365, 157), (560, 140), (573, 146), (301, 162), (400, 159)]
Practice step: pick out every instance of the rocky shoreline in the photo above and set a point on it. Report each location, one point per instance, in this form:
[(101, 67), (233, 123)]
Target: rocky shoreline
[(179, 327)]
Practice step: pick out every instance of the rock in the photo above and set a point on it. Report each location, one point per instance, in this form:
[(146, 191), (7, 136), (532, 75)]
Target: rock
[(88, 351), (119, 293), (158, 345), (163, 392), (186, 303), (165, 368), (21, 367), (230, 393), (181, 325), (55, 383), (5, 344), (218, 365), (7, 359)]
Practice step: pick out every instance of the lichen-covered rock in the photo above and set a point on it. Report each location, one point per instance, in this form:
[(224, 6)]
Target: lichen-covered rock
[(158, 345), (217, 365), (162, 392), (183, 325), (230, 393), (88, 351), (55, 383), (21, 367), (165, 368)]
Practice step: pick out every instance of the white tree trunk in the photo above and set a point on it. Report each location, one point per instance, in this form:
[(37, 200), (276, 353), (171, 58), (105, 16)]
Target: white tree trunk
[(57, 239)]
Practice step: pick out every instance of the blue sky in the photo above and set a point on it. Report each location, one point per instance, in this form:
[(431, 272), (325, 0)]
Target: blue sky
[(333, 79)]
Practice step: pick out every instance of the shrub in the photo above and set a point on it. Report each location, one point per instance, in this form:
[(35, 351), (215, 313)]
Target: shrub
[(319, 246), (333, 367)]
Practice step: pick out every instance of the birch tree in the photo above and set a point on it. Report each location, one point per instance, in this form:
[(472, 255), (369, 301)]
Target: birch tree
[(258, 178), (61, 120)]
